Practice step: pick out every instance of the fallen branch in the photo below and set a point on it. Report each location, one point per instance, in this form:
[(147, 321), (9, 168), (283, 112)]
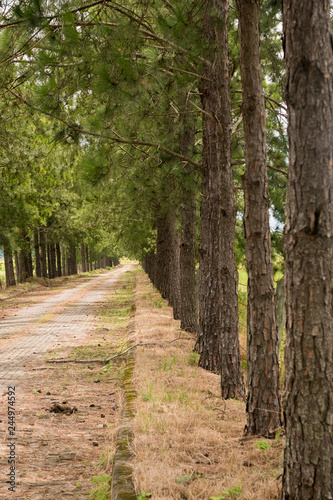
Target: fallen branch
[(107, 360)]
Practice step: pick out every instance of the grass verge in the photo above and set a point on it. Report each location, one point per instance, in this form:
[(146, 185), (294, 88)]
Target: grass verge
[(188, 441)]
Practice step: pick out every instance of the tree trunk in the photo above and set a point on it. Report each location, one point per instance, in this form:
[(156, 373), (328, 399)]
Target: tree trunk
[(87, 259), (280, 309), (64, 261), (263, 402), (308, 402), (23, 264), (72, 264), (175, 300), (9, 267), (17, 267), (37, 254), (52, 261), (90, 260), (58, 253), (163, 256), (43, 253), (188, 309), (218, 342), (83, 258)]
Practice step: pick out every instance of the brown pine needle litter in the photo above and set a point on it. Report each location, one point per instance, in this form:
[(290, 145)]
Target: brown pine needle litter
[(188, 442)]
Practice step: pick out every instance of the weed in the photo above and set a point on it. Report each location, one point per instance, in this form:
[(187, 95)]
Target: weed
[(231, 493), (147, 396), (166, 365), (263, 445), (183, 397), (244, 365), (158, 302), (168, 396), (193, 359), (143, 495), (102, 490), (185, 480)]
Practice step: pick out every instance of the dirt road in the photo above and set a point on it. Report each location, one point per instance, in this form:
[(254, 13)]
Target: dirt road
[(54, 454)]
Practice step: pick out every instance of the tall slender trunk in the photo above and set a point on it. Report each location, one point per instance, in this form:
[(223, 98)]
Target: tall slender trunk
[(263, 402), (90, 260), (87, 258), (83, 258), (188, 309), (64, 261), (72, 260), (17, 267), (308, 402), (218, 341), (37, 254), (58, 253), (23, 265), (30, 268), (43, 253), (9, 267), (52, 261), (175, 299), (163, 256)]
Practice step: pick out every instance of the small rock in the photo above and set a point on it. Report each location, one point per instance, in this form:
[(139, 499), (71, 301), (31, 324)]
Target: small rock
[(95, 443), (38, 390), (102, 415), (48, 393), (97, 381), (247, 464), (92, 405)]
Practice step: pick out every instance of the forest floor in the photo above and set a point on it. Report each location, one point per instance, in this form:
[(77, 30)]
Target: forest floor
[(188, 443)]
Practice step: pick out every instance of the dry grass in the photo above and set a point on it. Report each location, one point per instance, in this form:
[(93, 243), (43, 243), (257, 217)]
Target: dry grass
[(188, 442)]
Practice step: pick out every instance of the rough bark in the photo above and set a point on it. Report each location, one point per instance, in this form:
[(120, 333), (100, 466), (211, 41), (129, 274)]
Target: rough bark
[(263, 402), (280, 309), (9, 266), (308, 401), (37, 254), (43, 253), (218, 342), (188, 308)]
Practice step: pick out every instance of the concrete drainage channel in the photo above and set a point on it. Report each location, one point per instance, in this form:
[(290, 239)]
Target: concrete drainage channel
[(122, 487)]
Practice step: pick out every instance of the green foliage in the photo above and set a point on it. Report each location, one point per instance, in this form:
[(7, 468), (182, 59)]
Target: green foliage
[(263, 445)]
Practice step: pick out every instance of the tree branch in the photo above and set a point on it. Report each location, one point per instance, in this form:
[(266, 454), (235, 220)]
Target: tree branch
[(119, 139)]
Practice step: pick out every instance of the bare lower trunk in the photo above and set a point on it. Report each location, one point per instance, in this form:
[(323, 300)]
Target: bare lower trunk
[(83, 258), (17, 267), (43, 253), (58, 253), (263, 403), (218, 342), (9, 267), (308, 401), (188, 309), (37, 254)]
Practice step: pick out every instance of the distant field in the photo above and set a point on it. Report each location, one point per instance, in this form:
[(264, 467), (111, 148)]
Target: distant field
[(2, 269)]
